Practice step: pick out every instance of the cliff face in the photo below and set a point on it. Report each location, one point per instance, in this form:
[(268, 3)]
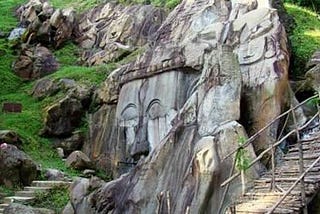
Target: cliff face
[(169, 118)]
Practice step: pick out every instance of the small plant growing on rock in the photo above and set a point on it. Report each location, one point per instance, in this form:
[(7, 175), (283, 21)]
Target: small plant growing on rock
[(242, 161)]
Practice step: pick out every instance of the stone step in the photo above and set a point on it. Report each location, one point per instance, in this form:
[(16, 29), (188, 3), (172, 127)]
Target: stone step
[(50, 183), (28, 193), (36, 189), (1, 210), (3, 205), (17, 199)]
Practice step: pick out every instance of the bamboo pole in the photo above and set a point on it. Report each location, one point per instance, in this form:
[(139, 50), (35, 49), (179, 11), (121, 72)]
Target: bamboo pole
[(266, 126), (227, 187), (301, 167), (267, 150)]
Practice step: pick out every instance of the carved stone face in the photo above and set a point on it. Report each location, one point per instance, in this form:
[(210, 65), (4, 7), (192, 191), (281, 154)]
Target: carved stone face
[(146, 108)]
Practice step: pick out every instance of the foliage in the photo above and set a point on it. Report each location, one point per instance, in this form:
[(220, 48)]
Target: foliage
[(68, 54), (6, 191), (311, 4), (242, 159), (9, 82), (86, 75), (28, 123), (103, 175), (170, 4), (55, 199), (8, 21), (78, 5), (305, 38)]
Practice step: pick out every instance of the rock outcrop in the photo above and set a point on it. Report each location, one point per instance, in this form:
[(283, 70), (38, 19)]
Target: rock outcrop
[(46, 25), (111, 31), (10, 137), (313, 73), (35, 62), (15, 208), (64, 116), (16, 168), (214, 72)]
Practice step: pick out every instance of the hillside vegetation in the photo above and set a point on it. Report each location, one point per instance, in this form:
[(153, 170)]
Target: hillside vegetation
[(305, 38)]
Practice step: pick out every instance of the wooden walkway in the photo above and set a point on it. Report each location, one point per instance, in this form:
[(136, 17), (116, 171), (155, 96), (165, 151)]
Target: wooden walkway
[(262, 198)]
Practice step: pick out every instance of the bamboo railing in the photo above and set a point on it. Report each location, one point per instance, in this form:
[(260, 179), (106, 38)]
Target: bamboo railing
[(272, 147)]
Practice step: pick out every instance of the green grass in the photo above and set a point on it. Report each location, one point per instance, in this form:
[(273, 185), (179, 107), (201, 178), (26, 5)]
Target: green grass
[(78, 5), (29, 122), (169, 4), (6, 191), (85, 75), (68, 54), (56, 199), (8, 21), (9, 82), (305, 38)]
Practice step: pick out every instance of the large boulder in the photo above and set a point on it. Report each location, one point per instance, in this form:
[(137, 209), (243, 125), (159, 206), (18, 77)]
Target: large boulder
[(43, 88), (111, 31), (10, 137), (72, 143), (215, 72), (78, 160), (54, 175), (65, 115), (78, 190), (16, 168), (35, 62)]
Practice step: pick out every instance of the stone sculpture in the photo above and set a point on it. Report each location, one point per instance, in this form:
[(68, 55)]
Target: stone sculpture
[(170, 118)]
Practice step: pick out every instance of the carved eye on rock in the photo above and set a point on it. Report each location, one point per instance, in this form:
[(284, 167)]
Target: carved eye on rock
[(129, 116), (155, 109)]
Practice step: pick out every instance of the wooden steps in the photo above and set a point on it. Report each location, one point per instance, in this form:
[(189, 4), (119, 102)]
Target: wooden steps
[(260, 198)]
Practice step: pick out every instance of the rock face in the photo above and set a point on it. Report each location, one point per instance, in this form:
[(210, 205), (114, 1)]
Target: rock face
[(71, 144), (35, 62), (16, 167), (214, 72), (15, 208), (112, 31), (65, 115)]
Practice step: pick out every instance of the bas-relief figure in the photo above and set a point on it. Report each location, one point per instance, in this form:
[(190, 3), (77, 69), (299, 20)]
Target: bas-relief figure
[(179, 105), (147, 107)]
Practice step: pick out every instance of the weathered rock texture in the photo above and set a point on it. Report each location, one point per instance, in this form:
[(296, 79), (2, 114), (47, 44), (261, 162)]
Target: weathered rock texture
[(111, 31), (313, 73), (64, 116), (16, 168), (78, 160), (45, 24), (35, 62), (215, 71), (15, 208), (10, 137)]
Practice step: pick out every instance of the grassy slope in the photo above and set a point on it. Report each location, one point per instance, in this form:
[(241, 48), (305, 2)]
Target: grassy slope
[(305, 38), (29, 122)]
